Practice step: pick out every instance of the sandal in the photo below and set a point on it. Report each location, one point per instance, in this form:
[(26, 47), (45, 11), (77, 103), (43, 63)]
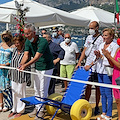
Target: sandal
[(101, 117), (17, 115), (108, 118), (5, 109), (11, 114)]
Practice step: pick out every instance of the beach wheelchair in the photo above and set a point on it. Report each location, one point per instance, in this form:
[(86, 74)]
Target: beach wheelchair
[(71, 102)]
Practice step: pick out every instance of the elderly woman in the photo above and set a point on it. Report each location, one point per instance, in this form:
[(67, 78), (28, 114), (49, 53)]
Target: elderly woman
[(6, 49), (103, 77), (18, 79), (115, 63)]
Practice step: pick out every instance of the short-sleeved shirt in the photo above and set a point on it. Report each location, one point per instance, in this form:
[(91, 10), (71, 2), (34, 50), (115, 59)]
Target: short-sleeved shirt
[(70, 53), (58, 40), (45, 62), (91, 57), (104, 62), (56, 50)]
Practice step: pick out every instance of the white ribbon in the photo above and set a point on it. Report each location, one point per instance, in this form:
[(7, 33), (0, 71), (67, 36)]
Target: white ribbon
[(74, 80)]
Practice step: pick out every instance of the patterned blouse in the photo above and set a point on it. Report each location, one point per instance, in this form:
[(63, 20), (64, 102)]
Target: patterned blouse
[(16, 75)]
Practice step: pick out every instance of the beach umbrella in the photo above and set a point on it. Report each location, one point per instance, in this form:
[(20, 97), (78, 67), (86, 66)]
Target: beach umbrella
[(40, 15), (105, 18)]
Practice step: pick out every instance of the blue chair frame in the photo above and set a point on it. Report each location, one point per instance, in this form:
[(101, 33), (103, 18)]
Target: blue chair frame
[(73, 93)]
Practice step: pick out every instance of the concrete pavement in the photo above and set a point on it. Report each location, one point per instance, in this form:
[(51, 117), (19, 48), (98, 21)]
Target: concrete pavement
[(30, 92)]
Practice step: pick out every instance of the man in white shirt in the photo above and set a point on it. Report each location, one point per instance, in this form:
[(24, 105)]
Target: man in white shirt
[(92, 43), (67, 65)]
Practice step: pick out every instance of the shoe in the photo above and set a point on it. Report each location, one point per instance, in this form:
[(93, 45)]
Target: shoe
[(11, 114), (40, 115), (106, 118), (5, 109), (17, 115), (101, 117), (97, 111), (33, 113)]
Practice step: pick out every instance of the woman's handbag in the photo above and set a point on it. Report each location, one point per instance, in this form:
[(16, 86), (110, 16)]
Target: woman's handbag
[(109, 70)]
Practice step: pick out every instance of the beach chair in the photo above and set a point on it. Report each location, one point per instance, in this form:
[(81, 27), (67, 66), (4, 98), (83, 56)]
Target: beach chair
[(71, 102)]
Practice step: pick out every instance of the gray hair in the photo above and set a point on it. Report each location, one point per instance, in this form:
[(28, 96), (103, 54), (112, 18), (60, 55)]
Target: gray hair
[(30, 26)]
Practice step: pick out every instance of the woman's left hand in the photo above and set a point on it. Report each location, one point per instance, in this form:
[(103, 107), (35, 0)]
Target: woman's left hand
[(106, 53)]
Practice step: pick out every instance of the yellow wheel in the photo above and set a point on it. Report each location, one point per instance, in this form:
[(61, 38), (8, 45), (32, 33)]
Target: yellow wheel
[(81, 110), (50, 109)]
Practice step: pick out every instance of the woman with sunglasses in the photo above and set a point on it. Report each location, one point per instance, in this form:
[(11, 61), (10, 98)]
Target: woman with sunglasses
[(6, 49)]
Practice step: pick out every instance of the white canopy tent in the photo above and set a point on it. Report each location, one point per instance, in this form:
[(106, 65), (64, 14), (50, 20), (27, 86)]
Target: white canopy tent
[(40, 15), (105, 18)]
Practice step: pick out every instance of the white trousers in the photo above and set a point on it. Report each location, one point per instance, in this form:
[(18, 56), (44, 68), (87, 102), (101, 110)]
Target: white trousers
[(41, 85), (18, 92)]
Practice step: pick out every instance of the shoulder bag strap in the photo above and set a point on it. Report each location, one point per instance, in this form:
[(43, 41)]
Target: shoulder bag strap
[(95, 39)]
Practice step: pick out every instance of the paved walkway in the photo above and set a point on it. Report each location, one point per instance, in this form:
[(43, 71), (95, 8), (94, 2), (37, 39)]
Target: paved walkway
[(30, 92)]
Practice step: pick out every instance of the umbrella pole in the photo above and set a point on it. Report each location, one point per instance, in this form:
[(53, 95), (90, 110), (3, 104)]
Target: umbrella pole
[(7, 26), (115, 16)]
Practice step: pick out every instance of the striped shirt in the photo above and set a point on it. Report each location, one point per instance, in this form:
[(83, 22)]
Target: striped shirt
[(15, 75)]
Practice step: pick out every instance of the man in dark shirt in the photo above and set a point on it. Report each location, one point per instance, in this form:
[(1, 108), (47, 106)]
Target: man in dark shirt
[(42, 57), (58, 54)]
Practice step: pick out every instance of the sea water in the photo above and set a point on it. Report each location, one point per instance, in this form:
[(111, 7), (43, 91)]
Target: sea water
[(79, 40)]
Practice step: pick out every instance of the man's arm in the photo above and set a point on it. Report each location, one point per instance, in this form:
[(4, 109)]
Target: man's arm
[(60, 52), (81, 58), (36, 58), (56, 61), (25, 58)]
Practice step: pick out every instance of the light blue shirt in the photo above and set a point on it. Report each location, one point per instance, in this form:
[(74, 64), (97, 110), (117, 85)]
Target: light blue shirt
[(58, 40)]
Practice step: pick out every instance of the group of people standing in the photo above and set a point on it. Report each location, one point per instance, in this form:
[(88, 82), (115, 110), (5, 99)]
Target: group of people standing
[(102, 54), (12, 82), (16, 52), (51, 54)]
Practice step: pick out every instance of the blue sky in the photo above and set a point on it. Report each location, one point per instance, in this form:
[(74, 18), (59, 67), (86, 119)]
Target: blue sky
[(4, 1)]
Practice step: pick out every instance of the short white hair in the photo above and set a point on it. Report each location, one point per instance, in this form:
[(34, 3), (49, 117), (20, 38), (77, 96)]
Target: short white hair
[(30, 26)]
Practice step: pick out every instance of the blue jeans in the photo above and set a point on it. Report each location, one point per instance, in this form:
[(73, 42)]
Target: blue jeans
[(106, 94)]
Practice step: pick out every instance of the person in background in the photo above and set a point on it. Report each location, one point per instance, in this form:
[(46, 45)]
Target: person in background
[(56, 38), (67, 65), (43, 59), (103, 76), (58, 54), (43, 32), (94, 34), (19, 79), (115, 63), (6, 50), (60, 32)]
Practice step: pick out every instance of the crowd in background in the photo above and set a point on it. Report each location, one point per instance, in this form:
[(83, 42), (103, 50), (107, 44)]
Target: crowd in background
[(55, 54)]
